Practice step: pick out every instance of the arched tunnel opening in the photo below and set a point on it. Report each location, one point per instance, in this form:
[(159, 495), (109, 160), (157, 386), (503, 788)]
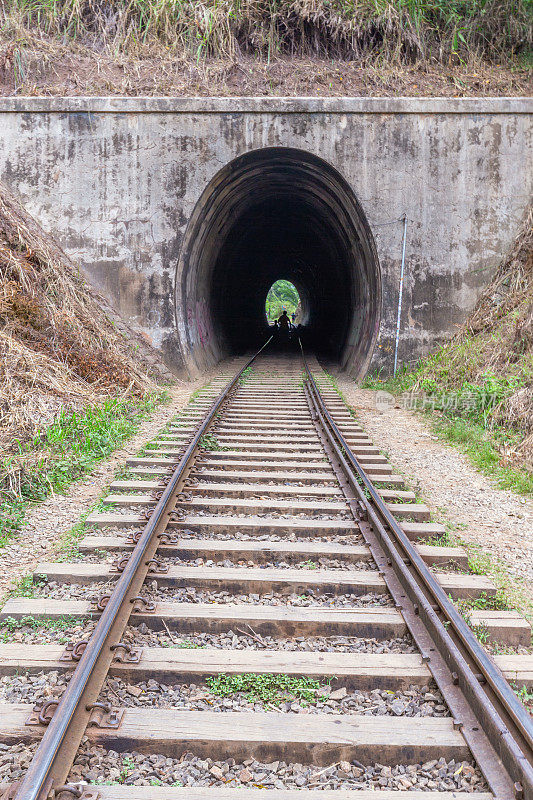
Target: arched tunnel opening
[(283, 296), (271, 213)]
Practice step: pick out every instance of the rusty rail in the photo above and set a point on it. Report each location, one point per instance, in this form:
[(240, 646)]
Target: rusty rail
[(495, 724), (51, 764)]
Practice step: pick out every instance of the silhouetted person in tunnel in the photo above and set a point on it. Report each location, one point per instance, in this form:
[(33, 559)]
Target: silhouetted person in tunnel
[(282, 329), (283, 322)]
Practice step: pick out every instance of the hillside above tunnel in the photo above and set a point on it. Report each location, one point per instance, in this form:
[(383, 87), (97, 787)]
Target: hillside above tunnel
[(260, 48)]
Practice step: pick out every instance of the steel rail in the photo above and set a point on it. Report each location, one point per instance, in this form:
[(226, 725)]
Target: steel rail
[(53, 759), (515, 748)]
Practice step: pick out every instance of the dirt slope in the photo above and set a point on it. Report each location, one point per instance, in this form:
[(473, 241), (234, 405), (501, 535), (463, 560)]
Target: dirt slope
[(60, 346)]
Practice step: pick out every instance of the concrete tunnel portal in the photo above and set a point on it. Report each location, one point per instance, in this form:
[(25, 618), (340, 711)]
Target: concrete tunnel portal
[(269, 214)]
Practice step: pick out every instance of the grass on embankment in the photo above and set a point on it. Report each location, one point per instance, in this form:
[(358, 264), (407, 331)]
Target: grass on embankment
[(478, 388), (64, 452), (464, 417)]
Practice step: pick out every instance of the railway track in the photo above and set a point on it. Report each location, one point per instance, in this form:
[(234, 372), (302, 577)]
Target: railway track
[(260, 602)]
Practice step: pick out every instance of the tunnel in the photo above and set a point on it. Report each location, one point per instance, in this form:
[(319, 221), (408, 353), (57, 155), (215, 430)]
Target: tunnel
[(269, 214)]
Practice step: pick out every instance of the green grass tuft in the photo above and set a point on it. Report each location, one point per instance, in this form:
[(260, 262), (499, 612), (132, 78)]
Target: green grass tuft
[(266, 688)]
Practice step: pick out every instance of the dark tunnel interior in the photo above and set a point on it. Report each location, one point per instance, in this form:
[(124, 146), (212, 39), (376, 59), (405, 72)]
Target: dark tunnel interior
[(279, 213), (282, 237)]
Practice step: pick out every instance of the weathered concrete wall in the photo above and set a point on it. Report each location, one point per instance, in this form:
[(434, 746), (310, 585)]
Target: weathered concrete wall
[(117, 179)]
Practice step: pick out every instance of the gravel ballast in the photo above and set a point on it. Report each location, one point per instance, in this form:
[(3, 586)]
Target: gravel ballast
[(142, 635), (414, 702), (96, 765), (189, 594)]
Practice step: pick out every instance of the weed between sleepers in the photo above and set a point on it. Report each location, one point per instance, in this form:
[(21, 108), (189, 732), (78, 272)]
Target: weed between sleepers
[(27, 586), (210, 442), (267, 688), (525, 694), (9, 625), (497, 602)]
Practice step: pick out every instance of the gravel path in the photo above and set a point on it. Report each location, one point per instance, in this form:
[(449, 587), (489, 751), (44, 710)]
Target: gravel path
[(498, 520)]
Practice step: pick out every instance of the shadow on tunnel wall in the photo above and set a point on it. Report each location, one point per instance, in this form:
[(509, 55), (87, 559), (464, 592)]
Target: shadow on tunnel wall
[(269, 214)]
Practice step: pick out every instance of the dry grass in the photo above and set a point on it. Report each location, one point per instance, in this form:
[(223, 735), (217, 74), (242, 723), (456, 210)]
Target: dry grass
[(58, 347), (265, 47), (393, 29), (495, 346)]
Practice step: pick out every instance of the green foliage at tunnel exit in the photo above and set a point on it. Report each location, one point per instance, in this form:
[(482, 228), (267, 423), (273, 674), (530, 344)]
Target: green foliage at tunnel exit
[(281, 295)]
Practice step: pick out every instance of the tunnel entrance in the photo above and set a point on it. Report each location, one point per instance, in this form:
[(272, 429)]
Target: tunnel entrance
[(272, 212)]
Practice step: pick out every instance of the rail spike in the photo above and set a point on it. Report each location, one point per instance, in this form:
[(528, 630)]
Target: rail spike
[(156, 567), (168, 538), (99, 603), (120, 564), (70, 791)]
